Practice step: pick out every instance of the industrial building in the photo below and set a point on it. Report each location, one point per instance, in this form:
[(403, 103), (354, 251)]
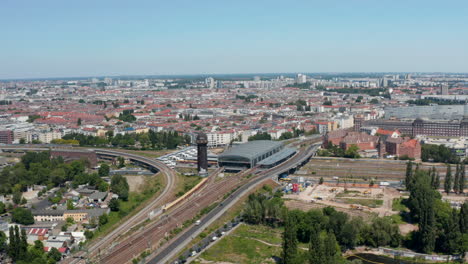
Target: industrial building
[(248, 155)]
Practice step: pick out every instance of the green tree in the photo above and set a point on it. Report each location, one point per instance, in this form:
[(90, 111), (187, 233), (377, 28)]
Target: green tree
[(448, 179), (456, 182), (103, 219), (3, 242), (331, 249), (119, 186), (2, 208), (461, 184), (22, 216), (104, 170), (382, 232), (70, 205), (352, 152), (121, 162), (450, 240), (88, 234), (78, 122), (316, 247), (54, 254), (17, 197), (260, 136), (409, 174), (14, 245), (114, 205), (289, 254), (421, 203), (464, 218)]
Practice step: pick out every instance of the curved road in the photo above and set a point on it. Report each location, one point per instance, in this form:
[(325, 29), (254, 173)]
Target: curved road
[(140, 216), (180, 242)]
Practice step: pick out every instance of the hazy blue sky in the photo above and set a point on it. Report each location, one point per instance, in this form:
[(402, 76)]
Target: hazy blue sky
[(117, 37)]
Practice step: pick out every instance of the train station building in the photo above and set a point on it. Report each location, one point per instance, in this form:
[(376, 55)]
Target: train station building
[(250, 154)]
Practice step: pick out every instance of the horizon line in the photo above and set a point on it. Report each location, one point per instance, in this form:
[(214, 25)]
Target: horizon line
[(220, 74)]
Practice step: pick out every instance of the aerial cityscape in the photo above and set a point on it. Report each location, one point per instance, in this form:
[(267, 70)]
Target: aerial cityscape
[(227, 133)]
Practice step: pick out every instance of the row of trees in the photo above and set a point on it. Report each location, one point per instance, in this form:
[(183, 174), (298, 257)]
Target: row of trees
[(441, 228), (20, 252), (150, 140), (438, 153), (458, 182), (260, 136), (455, 184)]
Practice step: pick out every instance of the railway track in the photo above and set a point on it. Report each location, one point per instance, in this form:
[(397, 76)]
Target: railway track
[(99, 245), (169, 250), (151, 236)]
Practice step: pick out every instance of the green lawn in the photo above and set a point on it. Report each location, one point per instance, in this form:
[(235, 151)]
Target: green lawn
[(240, 246), (398, 205), (152, 186), (374, 203)]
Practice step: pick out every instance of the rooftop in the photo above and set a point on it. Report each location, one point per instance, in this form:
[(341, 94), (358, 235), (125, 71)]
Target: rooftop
[(252, 149), (283, 154)]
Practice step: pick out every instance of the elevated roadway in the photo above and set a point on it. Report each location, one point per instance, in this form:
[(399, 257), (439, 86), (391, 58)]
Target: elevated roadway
[(102, 243)]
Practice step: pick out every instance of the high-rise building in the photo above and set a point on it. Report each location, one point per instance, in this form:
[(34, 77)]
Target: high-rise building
[(202, 157), (301, 78), (210, 82), (444, 89)]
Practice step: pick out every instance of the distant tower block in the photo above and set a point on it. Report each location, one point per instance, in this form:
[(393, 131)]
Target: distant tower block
[(202, 161), (444, 89)]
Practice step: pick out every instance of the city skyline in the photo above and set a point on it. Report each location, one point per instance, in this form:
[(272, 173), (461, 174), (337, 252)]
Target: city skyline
[(54, 39)]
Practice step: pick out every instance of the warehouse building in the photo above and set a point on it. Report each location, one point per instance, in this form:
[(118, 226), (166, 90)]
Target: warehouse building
[(247, 155)]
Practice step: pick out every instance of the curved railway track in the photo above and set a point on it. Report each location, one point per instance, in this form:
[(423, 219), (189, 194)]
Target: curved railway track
[(105, 242)]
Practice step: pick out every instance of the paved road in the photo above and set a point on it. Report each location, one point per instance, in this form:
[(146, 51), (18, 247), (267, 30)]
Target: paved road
[(101, 244), (180, 242)]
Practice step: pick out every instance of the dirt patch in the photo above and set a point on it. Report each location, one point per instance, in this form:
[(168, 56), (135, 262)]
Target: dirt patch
[(135, 182), (407, 228), (304, 206)]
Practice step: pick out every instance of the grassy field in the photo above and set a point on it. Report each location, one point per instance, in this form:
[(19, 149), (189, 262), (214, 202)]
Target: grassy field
[(185, 183), (136, 201), (242, 246), (398, 205), (374, 203)]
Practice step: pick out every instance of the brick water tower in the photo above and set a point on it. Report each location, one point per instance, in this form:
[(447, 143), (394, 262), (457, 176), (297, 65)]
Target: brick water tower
[(202, 158)]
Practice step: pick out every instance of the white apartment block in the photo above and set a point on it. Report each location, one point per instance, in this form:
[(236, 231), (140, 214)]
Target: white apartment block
[(216, 139)]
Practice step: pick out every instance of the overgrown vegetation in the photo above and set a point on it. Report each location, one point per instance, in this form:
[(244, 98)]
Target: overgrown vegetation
[(441, 228), (20, 252), (335, 151), (37, 168), (438, 153)]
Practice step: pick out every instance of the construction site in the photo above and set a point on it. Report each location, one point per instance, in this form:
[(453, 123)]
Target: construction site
[(373, 199)]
